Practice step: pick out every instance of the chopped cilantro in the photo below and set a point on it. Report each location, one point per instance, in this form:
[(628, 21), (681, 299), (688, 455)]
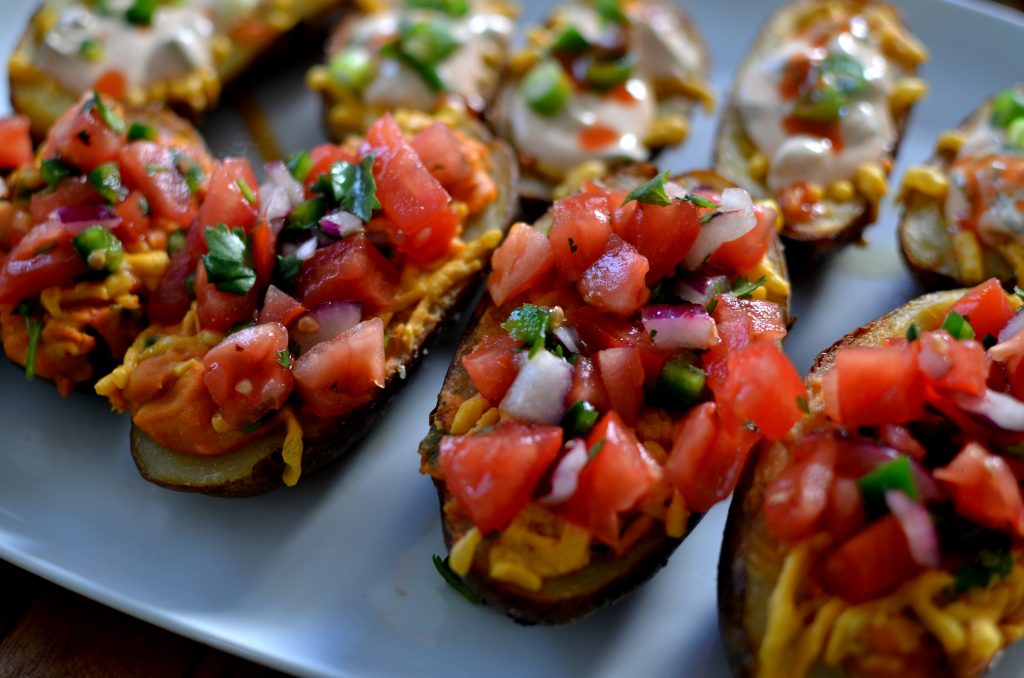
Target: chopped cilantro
[(106, 179), (985, 565), (34, 330), (529, 325), (284, 358), (53, 170), (285, 270), (651, 192), (743, 287), (228, 264), (351, 187), (454, 580)]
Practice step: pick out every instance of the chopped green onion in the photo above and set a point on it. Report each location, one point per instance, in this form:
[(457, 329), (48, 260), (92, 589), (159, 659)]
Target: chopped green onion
[(1015, 134), (680, 383), (193, 177), (456, 8), (570, 41), (454, 580), (34, 330), (100, 249), (529, 325), (299, 165), (111, 119), (957, 326), (106, 179), (140, 132), (353, 68), (306, 215), (892, 475), (821, 104), (53, 170), (546, 88), (141, 13), (580, 418), (651, 192), (603, 75), (1007, 107), (246, 190)]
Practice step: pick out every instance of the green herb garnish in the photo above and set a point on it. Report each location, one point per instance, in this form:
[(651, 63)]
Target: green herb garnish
[(53, 170), (284, 358), (229, 262), (529, 325), (913, 333), (957, 326), (246, 190), (141, 13), (546, 88), (744, 287), (139, 132), (299, 165), (892, 475), (34, 330), (109, 117), (651, 192), (106, 179), (983, 567), (285, 270), (351, 187), (454, 580)]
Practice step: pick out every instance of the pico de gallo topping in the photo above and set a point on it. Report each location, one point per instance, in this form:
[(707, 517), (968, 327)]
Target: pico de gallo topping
[(821, 106), (295, 301), (414, 54), (603, 82), (909, 480), (87, 229), (629, 363)]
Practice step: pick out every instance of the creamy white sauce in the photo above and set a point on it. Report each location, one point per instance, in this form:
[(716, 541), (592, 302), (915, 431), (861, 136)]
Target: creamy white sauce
[(555, 141), (482, 38), (177, 43), (866, 127)]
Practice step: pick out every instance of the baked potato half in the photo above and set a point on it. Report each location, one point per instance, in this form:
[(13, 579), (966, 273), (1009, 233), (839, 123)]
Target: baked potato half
[(406, 55), (177, 54), (237, 412), (86, 227), (599, 85), (816, 114), (960, 218), (883, 536), (582, 432)]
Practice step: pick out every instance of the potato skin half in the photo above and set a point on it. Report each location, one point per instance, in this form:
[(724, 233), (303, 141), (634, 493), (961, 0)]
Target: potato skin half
[(607, 578)]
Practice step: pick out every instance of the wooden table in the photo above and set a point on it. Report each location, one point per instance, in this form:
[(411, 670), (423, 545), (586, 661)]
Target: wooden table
[(48, 631)]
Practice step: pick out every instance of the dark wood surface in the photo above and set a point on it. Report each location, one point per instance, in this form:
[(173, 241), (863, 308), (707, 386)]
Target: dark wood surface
[(48, 631)]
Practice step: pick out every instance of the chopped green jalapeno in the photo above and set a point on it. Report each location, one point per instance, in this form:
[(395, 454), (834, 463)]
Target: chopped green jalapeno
[(100, 249), (570, 41), (141, 13), (603, 75), (680, 382), (547, 88), (957, 326), (821, 104), (1007, 107), (139, 132), (307, 214), (845, 73), (106, 179), (53, 170), (1015, 134), (892, 475), (176, 242), (299, 165), (111, 119), (352, 68), (456, 8), (580, 418)]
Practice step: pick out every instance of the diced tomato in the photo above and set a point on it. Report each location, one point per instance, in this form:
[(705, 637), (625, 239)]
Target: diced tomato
[(348, 270), (81, 136), (984, 489), (796, 500), (986, 308), (761, 386), (263, 240), (225, 203), (492, 366), (869, 386), (707, 457), (599, 330), (900, 438), (622, 375), (43, 258), (444, 156), (870, 564), (134, 219), (73, 191), (523, 259), (171, 301), (762, 318), (615, 283), (336, 376), (746, 252), (663, 235), (580, 228), (494, 474), (323, 158), (220, 311), (15, 142), (845, 514), (950, 365), (614, 481), (411, 198), (244, 374), (151, 168), (111, 83), (587, 385), (280, 307)]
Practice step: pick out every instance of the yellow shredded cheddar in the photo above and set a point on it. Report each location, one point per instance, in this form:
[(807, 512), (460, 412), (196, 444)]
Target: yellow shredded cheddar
[(460, 559), (536, 545), (291, 450), (676, 517), (469, 414)]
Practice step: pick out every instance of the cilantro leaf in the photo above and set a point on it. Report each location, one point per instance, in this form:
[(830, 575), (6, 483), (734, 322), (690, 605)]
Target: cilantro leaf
[(651, 192), (229, 262), (701, 201), (529, 325), (445, 570), (979, 572), (743, 287), (284, 358), (285, 269), (351, 187)]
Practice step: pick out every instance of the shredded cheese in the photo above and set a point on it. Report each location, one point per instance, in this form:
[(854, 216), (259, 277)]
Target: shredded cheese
[(469, 414), (291, 450), (676, 517), (460, 559), (537, 545)]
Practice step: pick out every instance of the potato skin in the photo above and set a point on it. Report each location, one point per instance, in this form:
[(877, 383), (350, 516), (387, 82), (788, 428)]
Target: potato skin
[(607, 578), (743, 588), (844, 222), (257, 468)]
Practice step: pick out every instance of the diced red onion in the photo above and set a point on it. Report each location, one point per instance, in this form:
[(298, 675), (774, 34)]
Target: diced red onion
[(77, 218), (1001, 410), (917, 526), (568, 336), (1009, 352), (683, 326), (858, 457), (567, 473), (306, 249), (274, 202), (539, 390), (735, 221), (280, 176), (1012, 327), (340, 223), (332, 318), (700, 289)]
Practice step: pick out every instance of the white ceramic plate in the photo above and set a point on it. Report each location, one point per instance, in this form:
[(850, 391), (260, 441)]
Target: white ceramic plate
[(334, 577)]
